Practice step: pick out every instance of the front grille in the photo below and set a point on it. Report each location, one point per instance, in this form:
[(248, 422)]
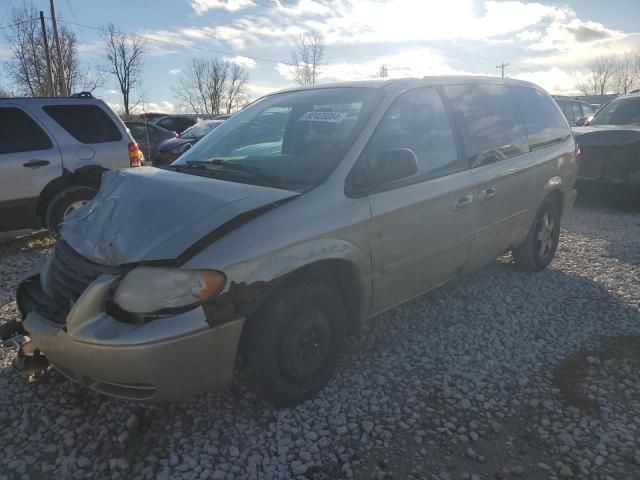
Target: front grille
[(70, 274)]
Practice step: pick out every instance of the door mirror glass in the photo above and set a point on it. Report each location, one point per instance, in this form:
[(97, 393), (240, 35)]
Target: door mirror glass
[(393, 164)]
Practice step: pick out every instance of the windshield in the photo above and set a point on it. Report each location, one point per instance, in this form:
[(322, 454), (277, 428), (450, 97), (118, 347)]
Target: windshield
[(199, 130), (295, 139), (621, 111)]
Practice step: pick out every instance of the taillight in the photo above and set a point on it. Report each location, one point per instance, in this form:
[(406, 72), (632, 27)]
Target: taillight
[(135, 155), (578, 155)]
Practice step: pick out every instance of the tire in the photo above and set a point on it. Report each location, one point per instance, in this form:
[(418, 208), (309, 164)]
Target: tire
[(538, 250), (64, 202), (294, 342)]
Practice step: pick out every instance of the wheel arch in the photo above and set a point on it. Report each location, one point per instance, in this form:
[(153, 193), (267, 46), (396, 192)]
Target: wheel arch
[(89, 176), (553, 190), (335, 263)]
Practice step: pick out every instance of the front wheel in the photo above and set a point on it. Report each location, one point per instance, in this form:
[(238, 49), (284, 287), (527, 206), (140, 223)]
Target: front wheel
[(294, 342), (64, 203), (538, 250)]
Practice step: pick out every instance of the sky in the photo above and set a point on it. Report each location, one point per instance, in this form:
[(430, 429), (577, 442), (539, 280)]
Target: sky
[(548, 43)]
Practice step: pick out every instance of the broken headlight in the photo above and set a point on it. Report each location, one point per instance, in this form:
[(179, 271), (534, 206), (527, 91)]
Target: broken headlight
[(151, 289)]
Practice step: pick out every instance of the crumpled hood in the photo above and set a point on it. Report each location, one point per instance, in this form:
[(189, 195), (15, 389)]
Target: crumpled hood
[(146, 213)]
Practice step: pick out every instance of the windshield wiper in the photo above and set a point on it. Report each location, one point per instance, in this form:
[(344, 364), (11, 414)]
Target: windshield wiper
[(254, 171)]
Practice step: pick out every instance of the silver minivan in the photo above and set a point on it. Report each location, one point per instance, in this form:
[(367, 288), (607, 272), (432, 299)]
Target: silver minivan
[(286, 228), (53, 152)]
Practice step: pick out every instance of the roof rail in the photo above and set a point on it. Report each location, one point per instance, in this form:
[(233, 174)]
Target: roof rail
[(81, 95)]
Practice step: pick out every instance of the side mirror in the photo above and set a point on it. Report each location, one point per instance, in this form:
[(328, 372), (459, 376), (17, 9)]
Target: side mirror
[(581, 121), (393, 164)]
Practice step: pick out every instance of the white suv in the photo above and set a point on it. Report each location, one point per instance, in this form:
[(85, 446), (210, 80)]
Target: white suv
[(53, 152)]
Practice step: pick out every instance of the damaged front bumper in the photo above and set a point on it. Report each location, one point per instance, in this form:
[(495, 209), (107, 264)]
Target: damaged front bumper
[(166, 359)]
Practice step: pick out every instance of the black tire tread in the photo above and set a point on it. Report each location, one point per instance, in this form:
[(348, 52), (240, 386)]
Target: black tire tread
[(524, 254), (58, 204), (263, 335)]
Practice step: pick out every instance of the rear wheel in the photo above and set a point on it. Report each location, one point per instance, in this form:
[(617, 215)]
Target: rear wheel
[(538, 250), (293, 344), (64, 203)]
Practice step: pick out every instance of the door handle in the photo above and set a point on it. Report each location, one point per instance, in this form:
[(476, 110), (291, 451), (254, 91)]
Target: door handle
[(486, 194), (463, 202), (36, 163)]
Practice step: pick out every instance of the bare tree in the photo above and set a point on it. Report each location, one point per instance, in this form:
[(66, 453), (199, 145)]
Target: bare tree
[(625, 76), (211, 86), (383, 71), (236, 87), (603, 70), (26, 65), (124, 61), (4, 93), (307, 58)]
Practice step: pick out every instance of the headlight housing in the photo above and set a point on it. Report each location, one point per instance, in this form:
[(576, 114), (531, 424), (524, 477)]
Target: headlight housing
[(152, 289)]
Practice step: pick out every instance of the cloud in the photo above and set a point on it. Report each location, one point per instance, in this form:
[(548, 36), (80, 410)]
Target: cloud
[(570, 34), (202, 6), (368, 21), (174, 71), (416, 62), (586, 33), (554, 80), (240, 60), (528, 35), (259, 90)]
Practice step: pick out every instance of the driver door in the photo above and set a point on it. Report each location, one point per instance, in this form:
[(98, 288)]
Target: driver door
[(422, 226)]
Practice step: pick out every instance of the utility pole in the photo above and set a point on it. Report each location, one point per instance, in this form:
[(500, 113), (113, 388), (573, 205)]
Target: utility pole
[(62, 84), (50, 87), (501, 66)]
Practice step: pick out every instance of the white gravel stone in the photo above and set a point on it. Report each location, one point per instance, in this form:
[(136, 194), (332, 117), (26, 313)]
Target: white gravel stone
[(474, 360)]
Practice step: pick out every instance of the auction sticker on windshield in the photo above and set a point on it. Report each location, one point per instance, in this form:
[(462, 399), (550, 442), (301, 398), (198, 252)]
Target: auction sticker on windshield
[(331, 117)]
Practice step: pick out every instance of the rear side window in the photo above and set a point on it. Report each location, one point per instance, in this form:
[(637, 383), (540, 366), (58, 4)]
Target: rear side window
[(544, 123), (587, 110), (489, 122), (577, 111), (19, 133), (85, 123), (417, 120), (566, 109)]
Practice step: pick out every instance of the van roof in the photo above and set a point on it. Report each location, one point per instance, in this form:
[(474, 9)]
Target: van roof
[(402, 83)]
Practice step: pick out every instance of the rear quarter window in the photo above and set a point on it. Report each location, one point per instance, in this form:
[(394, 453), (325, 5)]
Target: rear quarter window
[(489, 122), (19, 133), (544, 123), (86, 123)]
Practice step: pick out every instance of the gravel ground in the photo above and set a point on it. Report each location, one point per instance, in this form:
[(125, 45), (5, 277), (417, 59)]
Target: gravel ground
[(501, 375)]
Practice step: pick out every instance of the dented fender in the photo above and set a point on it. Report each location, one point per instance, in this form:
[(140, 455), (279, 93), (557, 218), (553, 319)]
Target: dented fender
[(301, 255)]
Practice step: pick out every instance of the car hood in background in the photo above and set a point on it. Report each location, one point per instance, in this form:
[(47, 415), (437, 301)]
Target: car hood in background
[(171, 143), (147, 214), (607, 134), (610, 153)]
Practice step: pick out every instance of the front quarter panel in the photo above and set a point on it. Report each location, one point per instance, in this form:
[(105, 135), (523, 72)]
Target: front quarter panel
[(315, 227)]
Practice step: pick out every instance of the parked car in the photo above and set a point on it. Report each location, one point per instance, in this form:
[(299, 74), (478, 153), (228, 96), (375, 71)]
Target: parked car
[(367, 195), (53, 152), (610, 146), (576, 111), (170, 149), (179, 123), (148, 136)]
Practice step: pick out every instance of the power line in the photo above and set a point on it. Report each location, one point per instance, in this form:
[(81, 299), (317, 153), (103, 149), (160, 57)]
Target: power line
[(19, 23), (6, 12), (184, 45), (204, 49)]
